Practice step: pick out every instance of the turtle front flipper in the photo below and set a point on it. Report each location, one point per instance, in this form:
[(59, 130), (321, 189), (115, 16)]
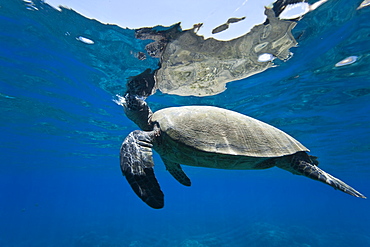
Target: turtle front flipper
[(302, 165), (137, 166), (176, 171)]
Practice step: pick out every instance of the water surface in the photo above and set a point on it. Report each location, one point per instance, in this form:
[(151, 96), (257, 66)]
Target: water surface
[(60, 179)]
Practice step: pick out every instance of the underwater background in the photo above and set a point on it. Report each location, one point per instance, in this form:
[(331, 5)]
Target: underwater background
[(60, 181)]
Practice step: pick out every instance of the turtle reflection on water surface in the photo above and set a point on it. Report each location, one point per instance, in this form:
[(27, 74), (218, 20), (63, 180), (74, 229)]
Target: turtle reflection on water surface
[(207, 136)]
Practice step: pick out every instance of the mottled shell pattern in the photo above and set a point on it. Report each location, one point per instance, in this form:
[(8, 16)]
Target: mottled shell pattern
[(217, 130)]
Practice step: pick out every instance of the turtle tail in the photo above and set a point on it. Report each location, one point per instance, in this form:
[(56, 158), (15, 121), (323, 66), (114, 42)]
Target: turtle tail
[(302, 166)]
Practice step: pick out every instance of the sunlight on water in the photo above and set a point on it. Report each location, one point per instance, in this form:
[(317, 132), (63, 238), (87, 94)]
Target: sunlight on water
[(62, 126), (85, 40), (347, 61)]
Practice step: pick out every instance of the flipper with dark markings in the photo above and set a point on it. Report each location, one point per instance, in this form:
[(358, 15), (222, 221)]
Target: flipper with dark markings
[(176, 171), (137, 166), (302, 165)]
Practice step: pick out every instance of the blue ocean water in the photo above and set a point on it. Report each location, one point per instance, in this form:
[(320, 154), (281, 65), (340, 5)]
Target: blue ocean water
[(61, 184)]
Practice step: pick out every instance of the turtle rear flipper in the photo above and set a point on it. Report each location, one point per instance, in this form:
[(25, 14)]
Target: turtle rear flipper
[(137, 166), (176, 171), (301, 164)]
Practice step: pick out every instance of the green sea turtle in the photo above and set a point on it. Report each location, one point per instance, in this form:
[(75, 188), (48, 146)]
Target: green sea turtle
[(207, 136)]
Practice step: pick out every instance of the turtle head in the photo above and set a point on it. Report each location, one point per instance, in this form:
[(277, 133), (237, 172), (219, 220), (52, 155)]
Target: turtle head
[(138, 89), (137, 110)]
